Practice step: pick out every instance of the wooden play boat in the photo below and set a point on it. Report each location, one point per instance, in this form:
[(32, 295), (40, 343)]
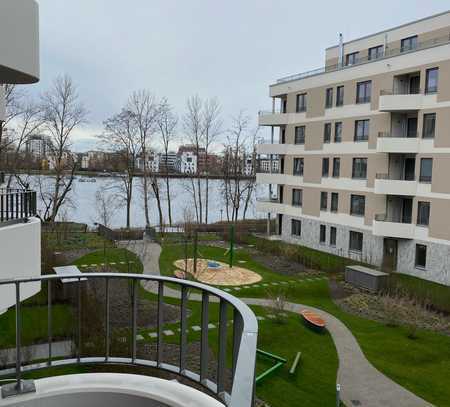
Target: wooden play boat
[(313, 319)]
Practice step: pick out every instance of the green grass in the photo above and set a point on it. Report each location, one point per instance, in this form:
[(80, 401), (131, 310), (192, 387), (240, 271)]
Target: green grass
[(113, 255), (59, 241)]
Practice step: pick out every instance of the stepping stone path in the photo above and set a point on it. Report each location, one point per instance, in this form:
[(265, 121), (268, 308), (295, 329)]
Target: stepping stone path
[(211, 326), (228, 290), (259, 318), (168, 333), (271, 316), (139, 338), (196, 328), (153, 335)]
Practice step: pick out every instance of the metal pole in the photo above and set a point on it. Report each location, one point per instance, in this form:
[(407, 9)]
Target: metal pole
[(195, 253), (18, 343), (231, 245), (107, 340), (338, 395), (49, 322)]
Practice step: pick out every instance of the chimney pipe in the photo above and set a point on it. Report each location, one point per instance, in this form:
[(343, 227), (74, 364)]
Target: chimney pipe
[(341, 50)]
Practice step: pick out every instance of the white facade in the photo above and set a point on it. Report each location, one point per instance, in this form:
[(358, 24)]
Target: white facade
[(186, 162), (152, 163)]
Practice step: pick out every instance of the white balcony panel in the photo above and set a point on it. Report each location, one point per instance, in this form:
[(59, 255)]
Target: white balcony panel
[(267, 178), (395, 187), (276, 207), (20, 256), (272, 148), (394, 229), (405, 103), (398, 145), (112, 390), (19, 41), (280, 119)]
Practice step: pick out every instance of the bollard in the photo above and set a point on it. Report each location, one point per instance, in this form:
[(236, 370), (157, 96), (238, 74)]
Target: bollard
[(338, 395)]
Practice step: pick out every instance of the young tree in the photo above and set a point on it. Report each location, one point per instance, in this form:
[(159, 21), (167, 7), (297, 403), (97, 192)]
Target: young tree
[(167, 123), (62, 112)]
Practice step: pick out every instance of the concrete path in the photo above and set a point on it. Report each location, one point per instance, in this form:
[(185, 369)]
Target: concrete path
[(37, 352), (361, 383)]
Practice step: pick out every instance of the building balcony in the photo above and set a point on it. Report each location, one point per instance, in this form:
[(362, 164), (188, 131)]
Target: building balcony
[(384, 226), (395, 143), (387, 185), (93, 295), (266, 118), (391, 101), (274, 206), (19, 58), (272, 148)]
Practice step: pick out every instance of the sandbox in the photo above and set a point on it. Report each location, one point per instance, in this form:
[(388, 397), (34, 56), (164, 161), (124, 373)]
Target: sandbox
[(217, 273)]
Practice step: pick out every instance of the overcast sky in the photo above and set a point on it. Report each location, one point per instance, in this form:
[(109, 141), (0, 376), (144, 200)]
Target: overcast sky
[(229, 49)]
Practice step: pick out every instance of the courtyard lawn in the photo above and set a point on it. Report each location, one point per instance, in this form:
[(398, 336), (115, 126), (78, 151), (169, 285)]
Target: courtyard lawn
[(74, 240), (124, 260)]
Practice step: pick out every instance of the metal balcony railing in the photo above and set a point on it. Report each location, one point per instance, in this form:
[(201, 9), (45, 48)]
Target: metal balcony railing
[(391, 92), (393, 177), (388, 53), (387, 134), (243, 344), (264, 168), (384, 218), (17, 204)]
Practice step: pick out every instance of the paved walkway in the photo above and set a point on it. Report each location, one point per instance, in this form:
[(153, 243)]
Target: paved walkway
[(361, 384)]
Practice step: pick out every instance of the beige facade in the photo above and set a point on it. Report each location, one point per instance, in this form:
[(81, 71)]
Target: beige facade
[(393, 120)]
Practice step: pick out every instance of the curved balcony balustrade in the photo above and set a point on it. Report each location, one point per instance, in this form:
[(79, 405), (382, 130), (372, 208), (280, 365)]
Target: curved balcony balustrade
[(240, 371), (16, 205)]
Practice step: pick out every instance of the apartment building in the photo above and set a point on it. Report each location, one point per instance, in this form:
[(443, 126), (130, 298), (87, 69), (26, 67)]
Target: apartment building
[(364, 151)]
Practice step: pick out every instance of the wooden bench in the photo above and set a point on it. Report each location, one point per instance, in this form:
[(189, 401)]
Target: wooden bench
[(296, 362)]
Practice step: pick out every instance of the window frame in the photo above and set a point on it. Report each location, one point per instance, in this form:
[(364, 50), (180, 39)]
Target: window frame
[(323, 234), (325, 168), (417, 264), (323, 200), (422, 215), (301, 166), (327, 130), (352, 55), (300, 108), (357, 160), (357, 205), (334, 204), (333, 236), (425, 178), (328, 98), (296, 226), (377, 50), (365, 129), (412, 39), (296, 134), (340, 96), (367, 92), (426, 118), (359, 240), (297, 192), (429, 89), (336, 172), (336, 132)]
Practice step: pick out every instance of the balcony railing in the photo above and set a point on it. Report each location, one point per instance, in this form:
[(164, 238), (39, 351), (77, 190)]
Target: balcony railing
[(386, 134), (391, 92), (265, 169), (392, 177), (243, 344), (389, 52), (17, 204), (384, 218)]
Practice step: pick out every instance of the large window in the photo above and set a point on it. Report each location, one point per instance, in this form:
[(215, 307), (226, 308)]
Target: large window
[(296, 227), (301, 103), (300, 135), (362, 130), (323, 234), (323, 201), (421, 256), (336, 167), (297, 197), (359, 168), (423, 213), (426, 170), (409, 43), (325, 167), (363, 92), (329, 98), (332, 236), (327, 133), (357, 205), (429, 125), (337, 132), (351, 59), (355, 241), (340, 96), (431, 84), (298, 166), (376, 52), (334, 202)]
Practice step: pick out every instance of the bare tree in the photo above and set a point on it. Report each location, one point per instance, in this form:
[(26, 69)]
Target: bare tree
[(62, 112), (144, 110), (167, 123), (212, 125), (122, 137), (105, 206)]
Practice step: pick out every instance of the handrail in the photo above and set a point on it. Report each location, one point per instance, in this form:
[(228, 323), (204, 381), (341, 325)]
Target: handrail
[(245, 331), (17, 204), (382, 217), (395, 92), (391, 177), (387, 134), (389, 52)]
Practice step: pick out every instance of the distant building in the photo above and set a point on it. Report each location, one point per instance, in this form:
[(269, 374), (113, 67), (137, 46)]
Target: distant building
[(168, 160), (186, 161), (153, 160), (38, 146)]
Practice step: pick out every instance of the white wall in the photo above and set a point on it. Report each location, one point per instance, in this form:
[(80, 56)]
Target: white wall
[(20, 256)]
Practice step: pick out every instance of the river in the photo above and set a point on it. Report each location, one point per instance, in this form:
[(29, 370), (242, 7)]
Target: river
[(82, 205)]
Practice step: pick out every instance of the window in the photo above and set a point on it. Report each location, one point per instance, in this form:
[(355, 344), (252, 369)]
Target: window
[(429, 125), (426, 169), (359, 168), (375, 52), (283, 136), (329, 98), (299, 135), (340, 96), (423, 213), (297, 197), (357, 205), (283, 106), (356, 241), (298, 166), (363, 92), (323, 234), (336, 167), (337, 132), (409, 43), (332, 236), (421, 256), (431, 84), (296, 227), (361, 130), (323, 201), (334, 202), (325, 167), (301, 103), (327, 133), (351, 59)]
